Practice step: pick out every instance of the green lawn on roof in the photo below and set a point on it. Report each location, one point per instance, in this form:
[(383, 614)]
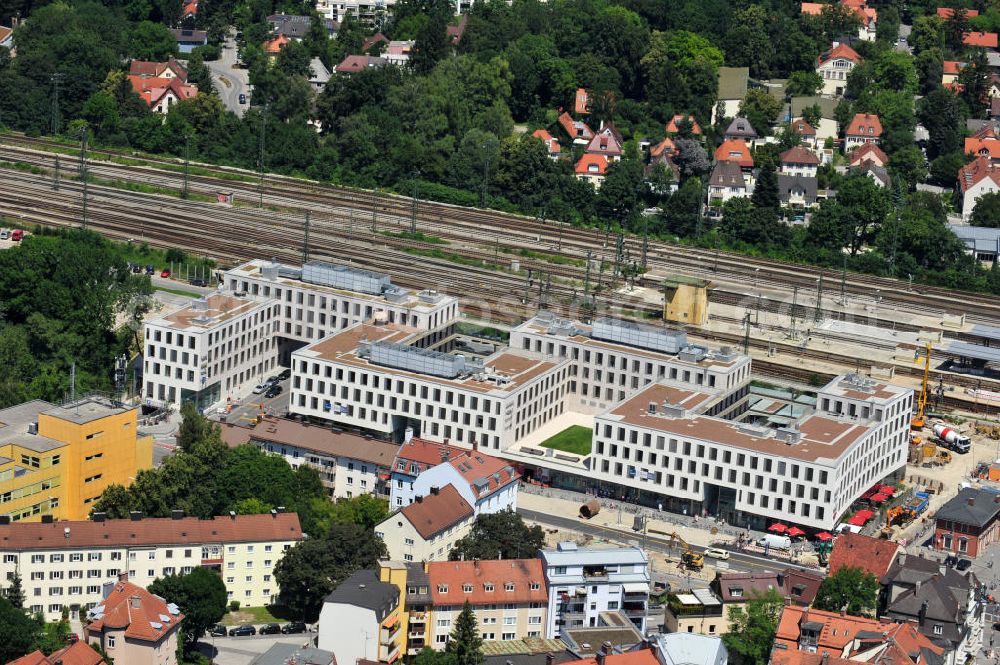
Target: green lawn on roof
[(574, 439)]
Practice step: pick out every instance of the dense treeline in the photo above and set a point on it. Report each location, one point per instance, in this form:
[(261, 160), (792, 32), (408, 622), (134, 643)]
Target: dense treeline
[(66, 297)]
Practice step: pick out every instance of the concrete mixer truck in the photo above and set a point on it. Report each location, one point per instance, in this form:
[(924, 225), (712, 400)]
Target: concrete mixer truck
[(952, 439)]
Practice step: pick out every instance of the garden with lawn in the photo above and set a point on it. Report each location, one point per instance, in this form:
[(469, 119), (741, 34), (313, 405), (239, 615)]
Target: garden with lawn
[(574, 439)]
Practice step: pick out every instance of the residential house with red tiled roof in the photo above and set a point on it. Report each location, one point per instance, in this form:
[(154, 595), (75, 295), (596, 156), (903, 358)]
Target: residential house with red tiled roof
[(869, 152), (834, 65), (487, 483), (166, 70), (591, 168), (948, 12), (273, 46), (78, 653), (806, 132), (872, 555), (510, 598), (799, 161), (6, 37), (134, 626), (551, 143), (867, 16), (984, 143), (377, 38), (190, 9), (975, 179), (581, 102), (863, 128), (673, 126), (950, 71), (428, 528), (664, 147), (735, 150), (577, 130), (606, 142), (161, 93), (987, 40), (456, 31), (353, 64)]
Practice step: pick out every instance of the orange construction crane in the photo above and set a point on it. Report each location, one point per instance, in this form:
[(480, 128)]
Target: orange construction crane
[(918, 420)]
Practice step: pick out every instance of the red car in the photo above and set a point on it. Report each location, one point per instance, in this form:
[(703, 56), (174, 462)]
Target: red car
[(16, 235), (72, 638), (165, 274)]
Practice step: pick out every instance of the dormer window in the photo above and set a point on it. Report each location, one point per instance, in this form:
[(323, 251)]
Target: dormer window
[(442, 588), (736, 592), (534, 586), (938, 630), (488, 587), (509, 586), (467, 588)]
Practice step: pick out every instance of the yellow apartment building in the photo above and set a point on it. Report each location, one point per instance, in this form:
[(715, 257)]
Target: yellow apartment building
[(410, 577), (57, 460)]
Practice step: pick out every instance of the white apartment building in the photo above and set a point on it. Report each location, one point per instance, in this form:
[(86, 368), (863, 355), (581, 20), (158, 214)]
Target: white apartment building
[(370, 12), (614, 358), (349, 464), (487, 483), (360, 620), (320, 299), (379, 377), (808, 473), (585, 581), (208, 351), (69, 563)]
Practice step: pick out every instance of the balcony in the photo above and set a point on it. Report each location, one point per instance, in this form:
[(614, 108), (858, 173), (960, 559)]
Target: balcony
[(417, 634), (595, 573), (390, 654), (388, 634), (418, 617)]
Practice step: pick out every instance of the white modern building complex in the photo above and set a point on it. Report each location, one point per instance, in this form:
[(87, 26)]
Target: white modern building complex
[(68, 563), (583, 582), (380, 377), (209, 350), (662, 440)]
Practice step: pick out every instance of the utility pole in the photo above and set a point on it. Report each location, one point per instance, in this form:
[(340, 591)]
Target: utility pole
[(413, 204), (262, 157), (55, 175), (84, 176), (305, 241), (746, 334), (645, 240), (818, 314), (187, 159), (795, 300), (56, 80), (72, 382)]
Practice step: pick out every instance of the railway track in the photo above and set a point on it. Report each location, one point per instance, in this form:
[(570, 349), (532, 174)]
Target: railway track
[(469, 226)]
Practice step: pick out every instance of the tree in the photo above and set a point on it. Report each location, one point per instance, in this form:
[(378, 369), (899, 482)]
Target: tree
[(14, 593), (747, 43), (502, 535), (761, 108), (987, 211), (941, 113), (691, 158), (431, 44), (18, 631), (813, 115), (851, 589), (195, 428), (200, 595), (765, 193), (887, 29), (618, 198), (955, 29), (752, 628), (313, 568), (927, 33), (151, 41), (803, 84), (465, 645), (251, 506)]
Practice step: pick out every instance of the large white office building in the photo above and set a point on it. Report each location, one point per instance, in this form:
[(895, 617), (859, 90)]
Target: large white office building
[(661, 441), (583, 582), (209, 350), (380, 377)]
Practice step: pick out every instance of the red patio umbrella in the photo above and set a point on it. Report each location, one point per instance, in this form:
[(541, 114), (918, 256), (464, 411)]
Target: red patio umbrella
[(824, 535), (795, 532), (888, 490), (857, 520), (778, 527), (864, 514), (878, 498)]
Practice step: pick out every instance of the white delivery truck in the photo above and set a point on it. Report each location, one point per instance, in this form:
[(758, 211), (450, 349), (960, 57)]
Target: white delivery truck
[(775, 541)]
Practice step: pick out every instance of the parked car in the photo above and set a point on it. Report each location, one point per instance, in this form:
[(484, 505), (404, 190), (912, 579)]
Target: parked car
[(716, 553), (198, 281), (950, 560), (16, 235), (218, 630), (285, 374), (963, 565), (72, 638), (270, 629), (4, 234), (150, 270), (259, 388), (293, 627), (165, 273), (243, 98), (273, 391), (242, 631), (272, 380)]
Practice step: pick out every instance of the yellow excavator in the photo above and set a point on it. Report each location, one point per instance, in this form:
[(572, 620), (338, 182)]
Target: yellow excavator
[(918, 421), (691, 559)]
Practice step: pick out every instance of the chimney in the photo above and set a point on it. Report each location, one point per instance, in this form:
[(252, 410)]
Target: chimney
[(435, 491), (135, 515), (475, 447), (280, 509), (47, 519), (232, 514), (123, 577), (66, 532), (826, 657), (407, 435), (942, 569), (177, 514), (972, 501), (550, 658), (922, 614), (901, 559), (274, 514), (836, 44), (419, 499)]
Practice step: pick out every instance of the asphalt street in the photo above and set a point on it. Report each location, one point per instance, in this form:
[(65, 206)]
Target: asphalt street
[(230, 81), (736, 561), (243, 650)]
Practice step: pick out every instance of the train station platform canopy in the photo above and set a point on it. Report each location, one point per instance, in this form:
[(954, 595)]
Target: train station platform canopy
[(986, 354)]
